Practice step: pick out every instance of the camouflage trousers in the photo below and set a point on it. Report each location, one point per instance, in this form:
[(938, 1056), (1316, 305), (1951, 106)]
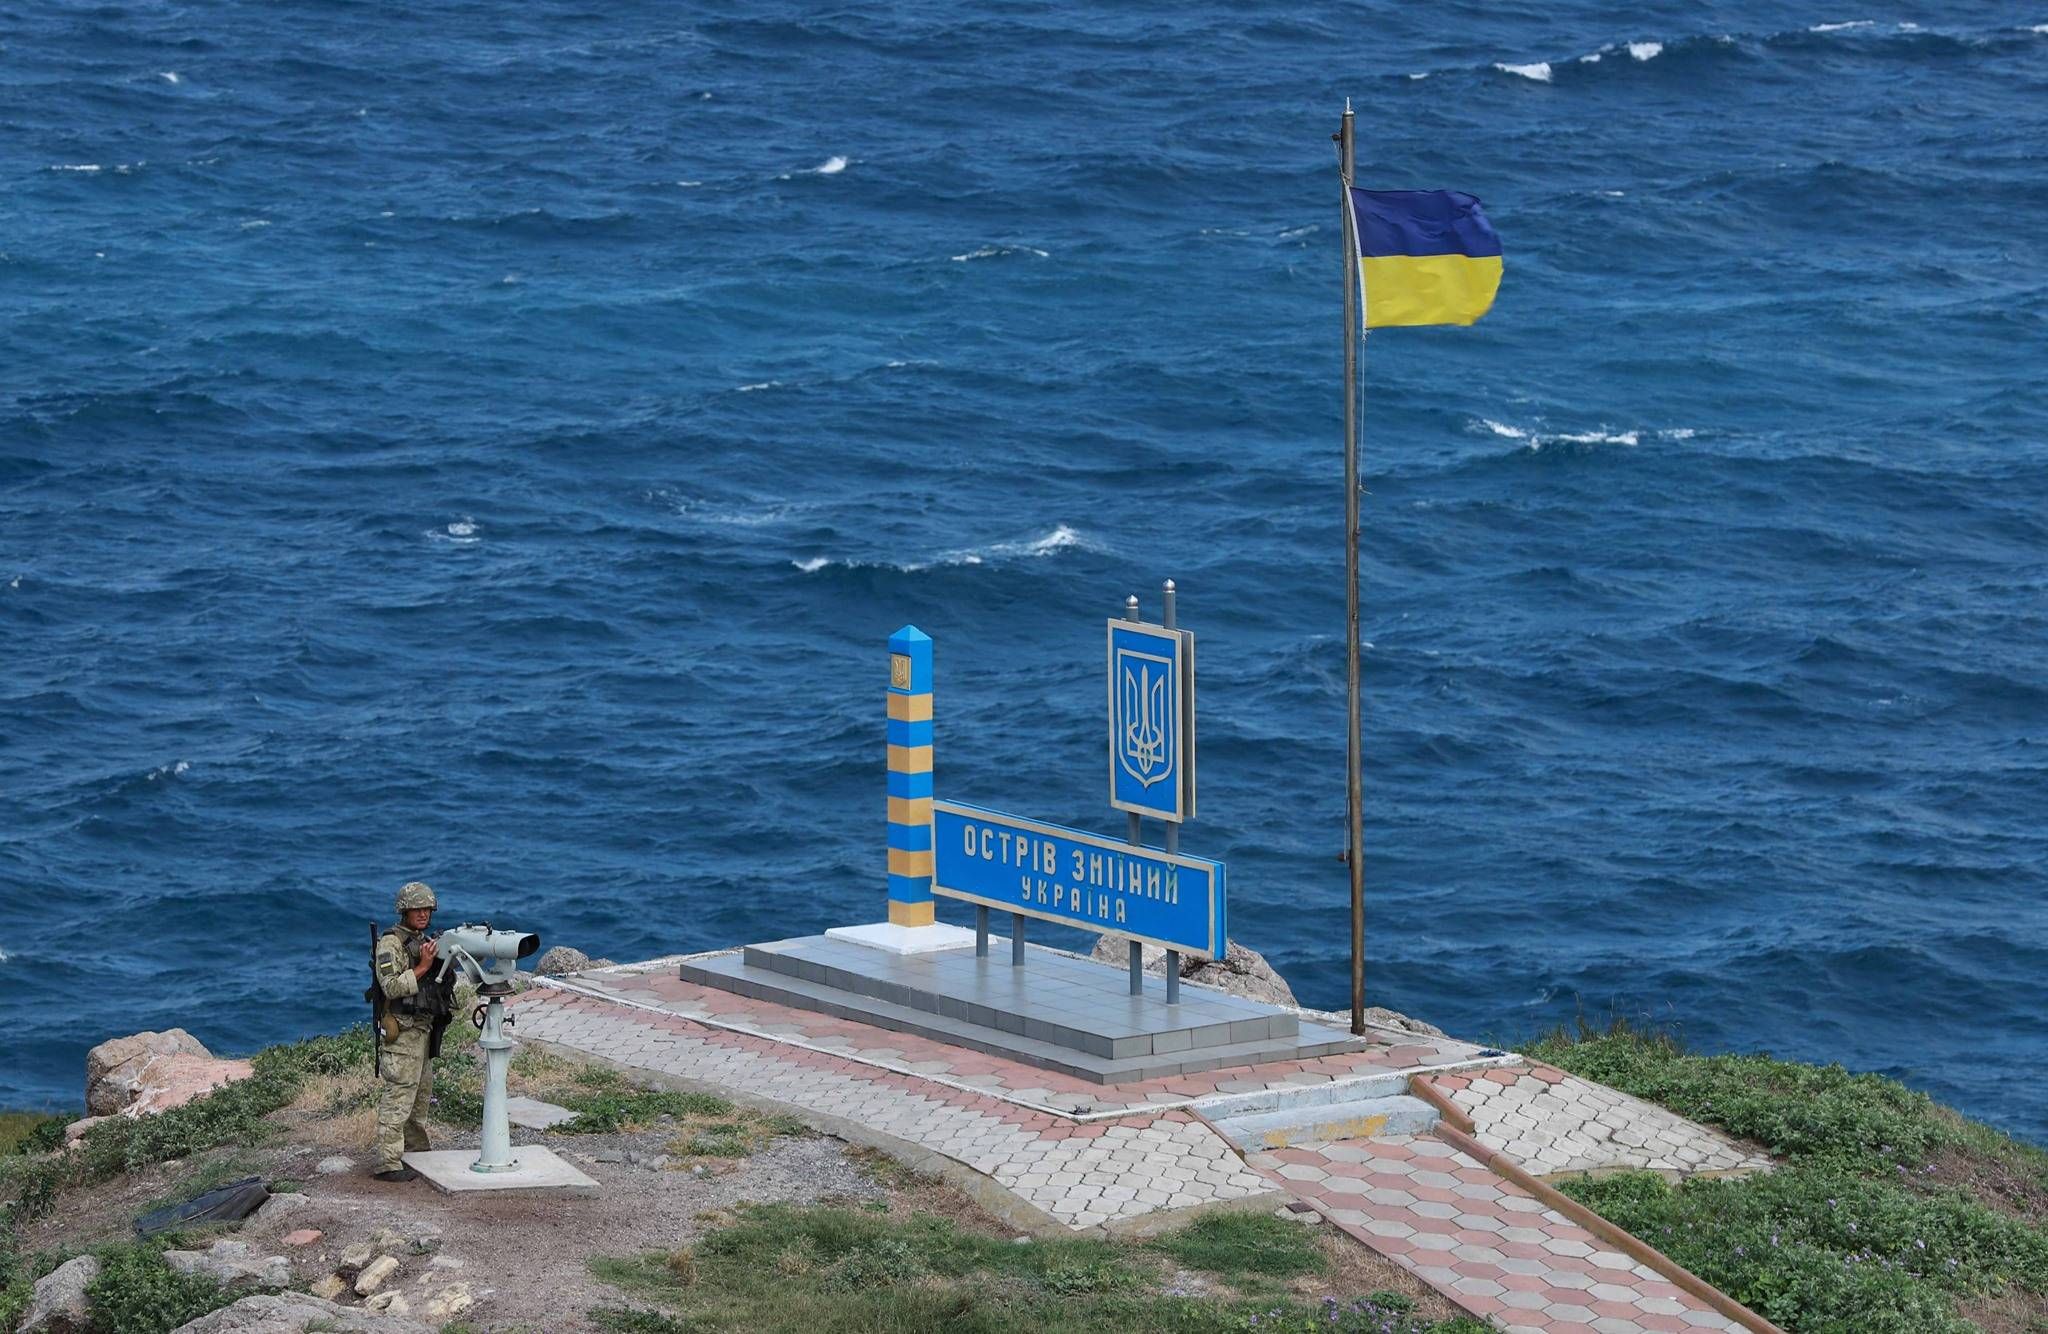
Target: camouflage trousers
[(402, 1099)]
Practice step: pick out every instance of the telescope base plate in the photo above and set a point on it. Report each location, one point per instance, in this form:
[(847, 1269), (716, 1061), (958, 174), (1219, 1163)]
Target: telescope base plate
[(536, 1169)]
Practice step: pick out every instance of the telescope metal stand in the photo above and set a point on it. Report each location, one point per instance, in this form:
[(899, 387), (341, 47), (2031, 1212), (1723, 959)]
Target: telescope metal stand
[(496, 1155), (456, 1171)]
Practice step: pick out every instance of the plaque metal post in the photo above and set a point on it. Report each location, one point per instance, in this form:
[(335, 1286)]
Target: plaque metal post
[(1134, 833), (1168, 595)]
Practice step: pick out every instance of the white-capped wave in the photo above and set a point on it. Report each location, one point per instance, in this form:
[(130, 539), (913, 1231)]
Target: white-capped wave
[(15, 582), (1293, 233), (732, 516), (1538, 439), (1646, 50), (170, 76), (831, 166), (1843, 27), (1539, 71), (993, 251), (1061, 538), (462, 533), (1591, 57), (164, 771), (1615, 194), (1679, 433), (689, 185), (254, 224), (2041, 28), (78, 166), (1419, 77), (758, 386)]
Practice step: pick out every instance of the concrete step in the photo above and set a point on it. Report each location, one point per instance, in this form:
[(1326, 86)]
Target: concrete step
[(729, 972), (1329, 1122), (1294, 1097)]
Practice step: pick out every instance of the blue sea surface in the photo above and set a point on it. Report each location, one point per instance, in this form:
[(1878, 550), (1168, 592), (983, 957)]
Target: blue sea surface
[(492, 444)]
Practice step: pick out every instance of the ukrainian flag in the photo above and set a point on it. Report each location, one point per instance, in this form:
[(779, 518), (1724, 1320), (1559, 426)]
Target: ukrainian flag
[(1424, 257)]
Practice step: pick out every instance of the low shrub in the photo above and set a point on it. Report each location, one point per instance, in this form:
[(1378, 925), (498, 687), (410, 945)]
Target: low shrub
[(137, 1293)]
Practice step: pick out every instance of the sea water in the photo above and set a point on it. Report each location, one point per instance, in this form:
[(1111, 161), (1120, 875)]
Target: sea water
[(492, 444)]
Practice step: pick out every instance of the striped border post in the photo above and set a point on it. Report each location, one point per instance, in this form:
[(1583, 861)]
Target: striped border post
[(910, 778)]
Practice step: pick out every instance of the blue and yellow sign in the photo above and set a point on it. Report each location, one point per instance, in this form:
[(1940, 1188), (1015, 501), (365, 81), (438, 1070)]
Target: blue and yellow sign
[(1152, 720), (1078, 879)]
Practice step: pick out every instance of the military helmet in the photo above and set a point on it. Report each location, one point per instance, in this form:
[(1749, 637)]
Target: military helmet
[(415, 894)]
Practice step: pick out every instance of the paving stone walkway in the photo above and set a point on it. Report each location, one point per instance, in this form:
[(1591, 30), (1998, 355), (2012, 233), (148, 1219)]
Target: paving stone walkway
[(1549, 1121), (1481, 1240)]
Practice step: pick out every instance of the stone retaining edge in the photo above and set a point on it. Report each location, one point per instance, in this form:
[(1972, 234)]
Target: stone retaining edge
[(1627, 1242)]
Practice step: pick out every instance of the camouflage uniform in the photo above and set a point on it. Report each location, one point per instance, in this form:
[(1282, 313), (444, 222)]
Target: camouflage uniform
[(412, 1004)]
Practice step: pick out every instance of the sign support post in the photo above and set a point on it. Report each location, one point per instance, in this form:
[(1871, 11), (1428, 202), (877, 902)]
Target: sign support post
[(1135, 834), (1172, 827)]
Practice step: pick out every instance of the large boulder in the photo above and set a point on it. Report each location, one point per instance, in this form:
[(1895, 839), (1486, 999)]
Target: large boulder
[(1241, 971), (233, 1264), (59, 1305), (152, 1072), (294, 1313), (560, 960)]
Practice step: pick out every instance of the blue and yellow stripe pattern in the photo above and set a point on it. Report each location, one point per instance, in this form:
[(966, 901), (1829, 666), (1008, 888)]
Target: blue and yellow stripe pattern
[(910, 778), (1424, 257)]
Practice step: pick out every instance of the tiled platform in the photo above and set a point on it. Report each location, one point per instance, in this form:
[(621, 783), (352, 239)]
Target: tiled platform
[(1056, 1011)]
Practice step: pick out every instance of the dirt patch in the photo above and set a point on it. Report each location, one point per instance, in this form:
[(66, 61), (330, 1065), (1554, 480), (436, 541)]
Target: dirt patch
[(2012, 1188), (2010, 1312)]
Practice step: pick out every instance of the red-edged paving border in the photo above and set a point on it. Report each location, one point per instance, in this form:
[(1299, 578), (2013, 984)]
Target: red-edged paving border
[(1483, 1241)]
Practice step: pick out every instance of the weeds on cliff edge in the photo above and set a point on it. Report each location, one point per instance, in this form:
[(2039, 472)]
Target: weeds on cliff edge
[(820, 1269), (1863, 1225)]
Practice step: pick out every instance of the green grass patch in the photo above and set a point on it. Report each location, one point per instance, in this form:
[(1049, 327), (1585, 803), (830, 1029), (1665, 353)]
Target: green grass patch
[(823, 1269), (604, 1103), (1874, 1222), (31, 1132), (1243, 1247)]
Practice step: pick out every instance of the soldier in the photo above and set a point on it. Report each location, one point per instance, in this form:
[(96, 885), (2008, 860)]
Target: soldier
[(416, 1009)]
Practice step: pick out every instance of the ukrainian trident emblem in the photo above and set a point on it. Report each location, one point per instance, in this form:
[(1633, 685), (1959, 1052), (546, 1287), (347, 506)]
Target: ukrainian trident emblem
[(1145, 723)]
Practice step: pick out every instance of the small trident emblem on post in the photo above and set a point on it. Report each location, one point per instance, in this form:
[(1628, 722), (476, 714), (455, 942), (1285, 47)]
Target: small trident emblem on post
[(1146, 745)]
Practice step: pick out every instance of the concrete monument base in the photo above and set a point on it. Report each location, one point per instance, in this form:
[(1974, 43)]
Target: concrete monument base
[(539, 1169), (905, 939), (1058, 1012)]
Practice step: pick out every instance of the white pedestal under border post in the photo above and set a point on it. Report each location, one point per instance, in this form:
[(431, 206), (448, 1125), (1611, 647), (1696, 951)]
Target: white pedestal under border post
[(905, 939)]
